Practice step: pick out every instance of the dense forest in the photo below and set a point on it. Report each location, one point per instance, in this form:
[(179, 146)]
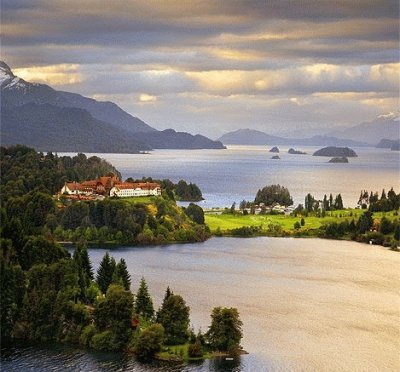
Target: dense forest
[(29, 180), (47, 294)]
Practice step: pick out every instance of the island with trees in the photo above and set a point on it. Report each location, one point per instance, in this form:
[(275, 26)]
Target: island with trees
[(296, 152), (333, 151)]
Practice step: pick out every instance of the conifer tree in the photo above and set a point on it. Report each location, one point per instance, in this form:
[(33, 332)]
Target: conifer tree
[(174, 317), (105, 272), (123, 274), (168, 293), (326, 203), (144, 303)]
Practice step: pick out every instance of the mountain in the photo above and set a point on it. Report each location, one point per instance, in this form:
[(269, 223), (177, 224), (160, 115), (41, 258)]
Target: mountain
[(16, 92), (385, 143), (255, 137), (110, 128), (63, 129), (385, 126), (169, 139), (249, 137)]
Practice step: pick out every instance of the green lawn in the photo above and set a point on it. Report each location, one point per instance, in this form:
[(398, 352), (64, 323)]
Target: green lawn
[(229, 221), (140, 199), (172, 352)]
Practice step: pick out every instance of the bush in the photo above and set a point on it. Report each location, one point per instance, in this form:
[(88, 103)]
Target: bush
[(149, 342), (104, 341), (245, 231), (87, 335), (195, 350)]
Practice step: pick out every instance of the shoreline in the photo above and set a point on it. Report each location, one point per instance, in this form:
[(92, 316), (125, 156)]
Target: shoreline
[(213, 236)]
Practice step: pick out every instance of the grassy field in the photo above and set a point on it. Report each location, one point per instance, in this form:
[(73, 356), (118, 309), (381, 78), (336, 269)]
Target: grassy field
[(232, 221), (179, 352), (139, 199)]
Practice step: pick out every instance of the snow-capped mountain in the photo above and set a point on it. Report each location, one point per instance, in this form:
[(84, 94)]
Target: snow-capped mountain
[(9, 81), (40, 116)]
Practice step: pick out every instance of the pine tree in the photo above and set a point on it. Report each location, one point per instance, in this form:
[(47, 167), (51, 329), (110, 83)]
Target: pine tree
[(83, 268), (174, 317), (123, 274), (338, 202), (326, 203), (144, 303), (105, 272)]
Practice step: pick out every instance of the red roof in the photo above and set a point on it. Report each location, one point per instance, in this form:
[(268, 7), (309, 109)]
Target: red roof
[(141, 185)]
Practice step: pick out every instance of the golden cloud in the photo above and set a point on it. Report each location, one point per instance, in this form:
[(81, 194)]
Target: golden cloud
[(54, 75), (147, 98)]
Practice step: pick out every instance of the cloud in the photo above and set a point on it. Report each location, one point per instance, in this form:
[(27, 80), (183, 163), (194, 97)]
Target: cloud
[(218, 63), (63, 74), (147, 98)]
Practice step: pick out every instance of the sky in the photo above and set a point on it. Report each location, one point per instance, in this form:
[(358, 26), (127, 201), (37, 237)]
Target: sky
[(284, 67)]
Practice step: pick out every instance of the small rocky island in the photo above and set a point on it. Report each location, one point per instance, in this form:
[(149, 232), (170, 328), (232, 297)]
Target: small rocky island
[(274, 149), (333, 151), (276, 157), (340, 159), (296, 152)]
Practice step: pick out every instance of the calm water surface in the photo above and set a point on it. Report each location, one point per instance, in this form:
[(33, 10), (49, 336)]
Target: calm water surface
[(306, 304), (234, 174)]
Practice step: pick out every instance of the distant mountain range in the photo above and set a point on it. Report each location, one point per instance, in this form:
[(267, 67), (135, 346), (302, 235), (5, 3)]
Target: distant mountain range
[(255, 137), (49, 120), (385, 126), (385, 143)]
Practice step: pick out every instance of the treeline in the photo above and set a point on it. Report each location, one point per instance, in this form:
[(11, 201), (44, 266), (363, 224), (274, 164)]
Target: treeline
[(384, 203), (367, 230), (311, 204), (25, 170), (181, 191)]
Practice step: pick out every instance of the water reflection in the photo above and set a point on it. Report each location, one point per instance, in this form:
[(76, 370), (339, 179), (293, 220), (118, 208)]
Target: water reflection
[(21, 357)]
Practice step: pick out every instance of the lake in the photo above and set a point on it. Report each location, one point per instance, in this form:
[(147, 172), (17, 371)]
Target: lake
[(234, 174), (306, 304)]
